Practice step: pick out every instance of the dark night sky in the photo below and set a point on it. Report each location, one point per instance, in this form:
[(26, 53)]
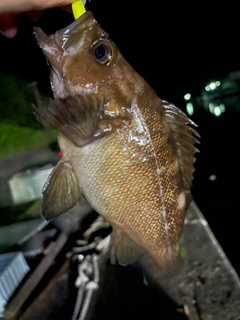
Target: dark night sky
[(177, 49), (172, 48)]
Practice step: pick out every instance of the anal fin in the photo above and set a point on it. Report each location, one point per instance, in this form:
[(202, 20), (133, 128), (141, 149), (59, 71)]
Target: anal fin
[(61, 191), (126, 251)]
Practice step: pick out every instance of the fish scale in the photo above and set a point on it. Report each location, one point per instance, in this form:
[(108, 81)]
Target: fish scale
[(112, 185)]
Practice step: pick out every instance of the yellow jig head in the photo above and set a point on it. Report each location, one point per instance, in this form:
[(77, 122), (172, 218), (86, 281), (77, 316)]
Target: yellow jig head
[(78, 9)]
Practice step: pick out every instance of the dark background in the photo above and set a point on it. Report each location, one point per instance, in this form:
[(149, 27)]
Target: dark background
[(177, 48)]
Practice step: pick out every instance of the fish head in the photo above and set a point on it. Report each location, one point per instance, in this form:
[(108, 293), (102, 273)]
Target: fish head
[(84, 60)]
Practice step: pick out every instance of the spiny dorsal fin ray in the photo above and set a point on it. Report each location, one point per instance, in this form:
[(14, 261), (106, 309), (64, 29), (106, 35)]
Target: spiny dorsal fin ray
[(184, 139), (61, 191), (81, 118)]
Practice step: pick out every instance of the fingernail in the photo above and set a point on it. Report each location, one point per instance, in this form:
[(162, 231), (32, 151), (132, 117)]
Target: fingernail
[(8, 24), (9, 33)]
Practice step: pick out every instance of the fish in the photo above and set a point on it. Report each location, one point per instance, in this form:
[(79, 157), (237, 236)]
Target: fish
[(128, 152)]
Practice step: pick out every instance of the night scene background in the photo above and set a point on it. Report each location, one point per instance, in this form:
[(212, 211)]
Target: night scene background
[(190, 56)]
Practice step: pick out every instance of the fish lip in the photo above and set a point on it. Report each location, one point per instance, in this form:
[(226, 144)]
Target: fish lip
[(42, 37), (49, 47), (52, 55), (69, 29)]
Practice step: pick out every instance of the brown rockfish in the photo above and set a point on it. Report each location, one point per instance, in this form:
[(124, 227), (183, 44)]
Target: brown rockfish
[(128, 152)]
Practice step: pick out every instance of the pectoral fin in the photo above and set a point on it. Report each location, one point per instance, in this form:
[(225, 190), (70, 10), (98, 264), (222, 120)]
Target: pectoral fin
[(127, 252), (61, 191), (82, 119), (184, 138)]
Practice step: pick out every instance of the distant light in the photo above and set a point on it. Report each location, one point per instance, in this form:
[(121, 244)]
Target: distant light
[(190, 108), (211, 107), (212, 177), (212, 86), (60, 153), (217, 111), (187, 96), (222, 107)]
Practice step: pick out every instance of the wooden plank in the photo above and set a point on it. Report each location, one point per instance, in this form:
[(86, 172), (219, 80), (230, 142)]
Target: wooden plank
[(13, 308)]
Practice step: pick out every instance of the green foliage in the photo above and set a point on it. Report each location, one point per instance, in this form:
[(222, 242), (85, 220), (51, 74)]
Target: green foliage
[(19, 130), (16, 213), (16, 140), (16, 100)]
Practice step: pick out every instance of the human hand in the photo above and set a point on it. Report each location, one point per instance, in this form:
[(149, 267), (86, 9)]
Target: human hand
[(10, 12)]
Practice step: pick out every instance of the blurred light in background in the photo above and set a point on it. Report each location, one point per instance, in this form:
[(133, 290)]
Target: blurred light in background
[(187, 96), (212, 177), (212, 85), (215, 109), (190, 108)]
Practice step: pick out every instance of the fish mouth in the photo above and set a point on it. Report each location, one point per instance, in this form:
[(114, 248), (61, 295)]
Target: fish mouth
[(75, 24), (61, 36), (53, 56), (48, 45), (54, 45)]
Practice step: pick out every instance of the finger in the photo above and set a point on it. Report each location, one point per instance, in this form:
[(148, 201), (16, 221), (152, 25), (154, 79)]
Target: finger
[(68, 8), (8, 24), (7, 6), (34, 15)]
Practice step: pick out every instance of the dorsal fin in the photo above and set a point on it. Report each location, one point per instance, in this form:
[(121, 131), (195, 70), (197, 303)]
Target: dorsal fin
[(184, 138)]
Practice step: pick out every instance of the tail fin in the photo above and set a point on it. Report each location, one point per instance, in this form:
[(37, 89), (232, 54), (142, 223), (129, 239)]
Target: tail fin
[(166, 278)]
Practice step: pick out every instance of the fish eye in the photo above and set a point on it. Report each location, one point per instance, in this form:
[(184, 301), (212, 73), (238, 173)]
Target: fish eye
[(102, 53)]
